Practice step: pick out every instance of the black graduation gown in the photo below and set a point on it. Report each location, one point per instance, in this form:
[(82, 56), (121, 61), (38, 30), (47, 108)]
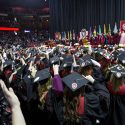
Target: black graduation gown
[(103, 94), (117, 111), (54, 105)]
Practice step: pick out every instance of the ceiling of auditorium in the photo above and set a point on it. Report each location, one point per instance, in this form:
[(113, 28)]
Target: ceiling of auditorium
[(5, 4)]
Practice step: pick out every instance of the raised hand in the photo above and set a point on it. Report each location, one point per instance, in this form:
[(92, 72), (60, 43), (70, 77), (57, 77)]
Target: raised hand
[(90, 78), (10, 95), (56, 69)]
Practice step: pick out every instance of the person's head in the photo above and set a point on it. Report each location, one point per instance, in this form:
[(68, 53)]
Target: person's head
[(115, 76), (116, 82), (86, 65), (88, 70), (65, 71), (43, 81)]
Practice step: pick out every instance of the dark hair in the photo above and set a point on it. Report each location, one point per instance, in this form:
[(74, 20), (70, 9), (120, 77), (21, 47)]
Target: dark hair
[(84, 70), (66, 71)]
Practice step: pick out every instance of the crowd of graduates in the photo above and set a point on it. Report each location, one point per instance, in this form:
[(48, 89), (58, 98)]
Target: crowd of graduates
[(64, 82)]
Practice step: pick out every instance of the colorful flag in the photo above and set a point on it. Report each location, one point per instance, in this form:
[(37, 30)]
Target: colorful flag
[(94, 32), (64, 35), (104, 29), (59, 35), (74, 35), (56, 36), (115, 29), (109, 29), (90, 32), (70, 35), (100, 30)]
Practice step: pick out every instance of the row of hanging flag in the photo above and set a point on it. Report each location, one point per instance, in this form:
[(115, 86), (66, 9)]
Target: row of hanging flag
[(71, 35)]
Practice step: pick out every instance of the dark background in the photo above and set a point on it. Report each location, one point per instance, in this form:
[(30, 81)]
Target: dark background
[(77, 14), (61, 15)]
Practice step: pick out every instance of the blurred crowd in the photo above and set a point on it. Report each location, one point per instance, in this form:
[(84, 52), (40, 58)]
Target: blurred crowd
[(28, 39)]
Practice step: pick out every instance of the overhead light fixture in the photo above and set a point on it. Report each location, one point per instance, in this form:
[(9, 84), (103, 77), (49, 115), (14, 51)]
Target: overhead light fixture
[(26, 31)]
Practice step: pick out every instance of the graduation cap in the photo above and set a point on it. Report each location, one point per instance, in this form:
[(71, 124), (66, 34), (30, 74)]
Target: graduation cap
[(110, 47), (95, 50), (85, 61), (75, 81), (67, 61), (30, 59), (104, 54), (100, 51), (65, 50), (78, 54), (87, 57), (115, 55), (33, 52), (54, 60), (68, 58), (107, 55), (118, 70), (42, 75), (7, 63), (121, 57), (67, 64)]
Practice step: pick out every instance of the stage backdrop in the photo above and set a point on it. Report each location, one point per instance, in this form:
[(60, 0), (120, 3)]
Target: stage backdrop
[(68, 15)]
